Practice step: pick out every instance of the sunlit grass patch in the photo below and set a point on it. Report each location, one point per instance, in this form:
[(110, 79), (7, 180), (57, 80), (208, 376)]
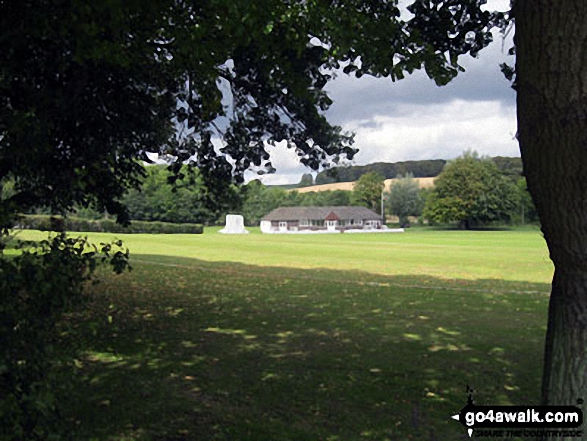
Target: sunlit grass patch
[(519, 256)]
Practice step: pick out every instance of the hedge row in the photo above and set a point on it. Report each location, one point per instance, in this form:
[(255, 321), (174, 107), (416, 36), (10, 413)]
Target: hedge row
[(55, 223)]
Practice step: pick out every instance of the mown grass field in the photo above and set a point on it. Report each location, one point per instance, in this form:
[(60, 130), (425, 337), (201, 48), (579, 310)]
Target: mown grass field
[(337, 337)]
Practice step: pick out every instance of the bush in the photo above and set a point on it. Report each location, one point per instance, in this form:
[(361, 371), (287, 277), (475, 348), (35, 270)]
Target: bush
[(36, 288), (55, 223)]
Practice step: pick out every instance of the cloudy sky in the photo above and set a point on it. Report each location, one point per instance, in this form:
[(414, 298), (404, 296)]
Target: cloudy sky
[(414, 119)]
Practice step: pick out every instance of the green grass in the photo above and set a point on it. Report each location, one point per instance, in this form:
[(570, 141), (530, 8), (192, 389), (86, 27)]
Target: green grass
[(343, 337), (500, 255)]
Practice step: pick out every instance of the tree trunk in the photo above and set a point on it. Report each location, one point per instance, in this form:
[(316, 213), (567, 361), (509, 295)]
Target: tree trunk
[(565, 363), (551, 77), (464, 224)]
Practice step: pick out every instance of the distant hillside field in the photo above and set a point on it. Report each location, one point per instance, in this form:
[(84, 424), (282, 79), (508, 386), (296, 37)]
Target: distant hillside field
[(348, 186)]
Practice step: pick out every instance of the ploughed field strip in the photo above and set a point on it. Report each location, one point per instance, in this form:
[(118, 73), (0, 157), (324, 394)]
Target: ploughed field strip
[(190, 349)]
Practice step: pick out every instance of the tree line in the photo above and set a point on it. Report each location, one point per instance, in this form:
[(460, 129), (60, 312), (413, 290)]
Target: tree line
[(160, 200), (471, 190), (349, 173)]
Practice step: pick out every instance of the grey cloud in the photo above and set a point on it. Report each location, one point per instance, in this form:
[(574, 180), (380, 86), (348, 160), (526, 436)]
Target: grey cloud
[(361, 99)]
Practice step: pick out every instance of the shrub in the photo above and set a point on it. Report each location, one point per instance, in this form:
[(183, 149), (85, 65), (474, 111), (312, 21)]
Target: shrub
[(54, 223), (36, 288)]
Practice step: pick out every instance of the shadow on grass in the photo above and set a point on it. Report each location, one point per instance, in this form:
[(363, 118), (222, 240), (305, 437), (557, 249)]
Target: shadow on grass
[(182, 349)]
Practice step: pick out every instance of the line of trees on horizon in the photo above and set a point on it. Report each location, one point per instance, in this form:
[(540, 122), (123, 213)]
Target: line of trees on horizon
[(471, 190)]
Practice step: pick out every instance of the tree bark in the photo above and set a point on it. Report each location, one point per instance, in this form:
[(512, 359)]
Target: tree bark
[(551, 78)]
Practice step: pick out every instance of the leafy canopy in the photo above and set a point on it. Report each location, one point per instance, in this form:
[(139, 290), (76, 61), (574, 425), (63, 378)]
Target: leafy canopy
[(368, 190), (158, 200), (470, 190), (404, 199)]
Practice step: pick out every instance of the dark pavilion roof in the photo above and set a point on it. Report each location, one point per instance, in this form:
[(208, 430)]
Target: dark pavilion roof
[(320, 213)]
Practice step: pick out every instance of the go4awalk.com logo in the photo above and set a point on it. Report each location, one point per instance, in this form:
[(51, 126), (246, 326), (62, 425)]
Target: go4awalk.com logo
[(521, 421)]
